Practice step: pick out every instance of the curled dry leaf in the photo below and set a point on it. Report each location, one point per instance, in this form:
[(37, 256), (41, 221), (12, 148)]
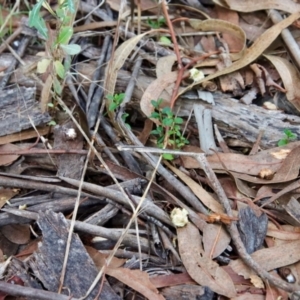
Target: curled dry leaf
[(197, 263), (290, 78), (252, 53), (224, 27), (154, 91), (111, 74), (164, 65), (254, 5)]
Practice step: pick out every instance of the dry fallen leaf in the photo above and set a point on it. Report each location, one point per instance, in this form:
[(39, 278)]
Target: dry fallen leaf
[(197, 263), (254, 5), (269, 258), (16, 233), (6, 160), (137, 280), (252, 53), (289, 76)]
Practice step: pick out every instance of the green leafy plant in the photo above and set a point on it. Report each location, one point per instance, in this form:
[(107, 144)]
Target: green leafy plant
[(156, 24), (57, 40), (115, 101), (289, 136), (169, 128)]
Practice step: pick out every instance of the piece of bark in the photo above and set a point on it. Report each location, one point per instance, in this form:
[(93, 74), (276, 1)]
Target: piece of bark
[(46, 263), (19, 110), (67, 137), (252, 229)]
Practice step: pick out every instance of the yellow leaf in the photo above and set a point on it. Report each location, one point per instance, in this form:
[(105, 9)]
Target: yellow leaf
[(43, 65)]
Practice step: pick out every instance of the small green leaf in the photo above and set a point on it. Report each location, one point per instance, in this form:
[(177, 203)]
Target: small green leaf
[(57, 86), (154, 115), (59, 69), (52, 123), (110, 97), (155, 132), (160, 140), (36, 21), (71, 6), (71, 49), (155, 104), (120, 97), (168, 156), (167, 110), (282, 142), (112, 106), (178, 120), (65, 35), (165, 40), (167, 121), (50, 104)]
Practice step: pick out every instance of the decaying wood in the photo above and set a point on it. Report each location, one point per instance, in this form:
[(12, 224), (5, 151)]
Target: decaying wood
[(46, 263), (19, 109), (69, 165)]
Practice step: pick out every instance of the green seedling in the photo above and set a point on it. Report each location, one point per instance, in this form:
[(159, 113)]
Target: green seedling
[(169, 128), (156, 24), (115, 101), (289, 136), (57, 40)]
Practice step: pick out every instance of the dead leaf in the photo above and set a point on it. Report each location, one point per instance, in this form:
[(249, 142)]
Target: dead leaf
[(6, 194), (45, 95), (224, 27), (215, 240), (252, 53), (254, 5), (99, 258), (154, 91), (16, 233), (289, 76), (164, 65), (6, 160), (199, 191), (257, 282), (283, 161), (269, 258), (203, 270), (137, 280), (171, 280)]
